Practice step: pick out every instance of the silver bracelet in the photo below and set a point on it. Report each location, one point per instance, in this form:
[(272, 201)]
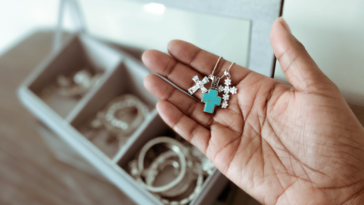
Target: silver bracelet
[(117, 125), (194, 168), (207, 166), (159, 162), (190, 197), (177, 147)]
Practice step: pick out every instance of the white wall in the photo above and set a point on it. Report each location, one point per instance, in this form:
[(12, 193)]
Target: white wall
[(18, 18), (333, 33)]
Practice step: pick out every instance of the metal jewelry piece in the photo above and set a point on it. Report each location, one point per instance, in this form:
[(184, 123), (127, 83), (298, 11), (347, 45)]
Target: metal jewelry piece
[(94, 131), (177, 147), (195, 172), (83, 78), (207, 166), (211, 99), (227, 89), (199, 85), (211, 76), (78, 85), (119, 119), (191, 196), (186, 168), (158, 165)]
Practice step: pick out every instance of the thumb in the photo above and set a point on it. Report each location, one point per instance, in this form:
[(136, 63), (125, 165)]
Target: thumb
[(297, 65)]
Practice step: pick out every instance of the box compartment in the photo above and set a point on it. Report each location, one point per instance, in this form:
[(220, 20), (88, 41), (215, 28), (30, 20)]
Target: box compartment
[(79, 52), (122, 74), (156, 128), (127, 78)]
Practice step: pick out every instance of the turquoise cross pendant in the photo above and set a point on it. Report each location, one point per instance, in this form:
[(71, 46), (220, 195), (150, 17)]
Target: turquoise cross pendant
[(211, 99)]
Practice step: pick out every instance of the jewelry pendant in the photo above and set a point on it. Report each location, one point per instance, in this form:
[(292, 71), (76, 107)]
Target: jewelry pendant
[(199, 85), (211, 99), (227, 89)]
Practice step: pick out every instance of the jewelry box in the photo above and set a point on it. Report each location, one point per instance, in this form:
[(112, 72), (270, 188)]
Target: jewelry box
[(120, 73)]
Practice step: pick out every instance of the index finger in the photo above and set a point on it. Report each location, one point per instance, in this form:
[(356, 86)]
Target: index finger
[(204, 61)]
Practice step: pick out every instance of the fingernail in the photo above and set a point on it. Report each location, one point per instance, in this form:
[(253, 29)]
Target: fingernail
[(284, 24)]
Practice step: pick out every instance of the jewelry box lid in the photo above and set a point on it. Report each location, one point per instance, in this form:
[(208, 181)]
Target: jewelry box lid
[(260, 15)]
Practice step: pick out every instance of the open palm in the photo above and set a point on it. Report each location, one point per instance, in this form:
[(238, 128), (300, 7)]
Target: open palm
[(281, 144)]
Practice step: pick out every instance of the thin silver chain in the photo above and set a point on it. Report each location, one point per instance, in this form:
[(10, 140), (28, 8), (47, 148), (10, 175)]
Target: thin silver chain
[(231, 65), (217, 63)]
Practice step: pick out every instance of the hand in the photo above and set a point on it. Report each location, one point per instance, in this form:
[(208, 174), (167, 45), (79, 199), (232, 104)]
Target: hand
[(280, 144)]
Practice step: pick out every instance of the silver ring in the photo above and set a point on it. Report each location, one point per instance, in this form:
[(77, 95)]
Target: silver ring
[(116, 125), (177, 148)]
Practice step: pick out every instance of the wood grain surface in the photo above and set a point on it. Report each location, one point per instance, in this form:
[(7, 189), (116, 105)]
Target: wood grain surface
[(29, 173)]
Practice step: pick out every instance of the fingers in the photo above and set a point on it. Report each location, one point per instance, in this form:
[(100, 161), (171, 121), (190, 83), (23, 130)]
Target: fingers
[(204, 62), (166, 66), (297, 65), (188, 106), (183, 125)]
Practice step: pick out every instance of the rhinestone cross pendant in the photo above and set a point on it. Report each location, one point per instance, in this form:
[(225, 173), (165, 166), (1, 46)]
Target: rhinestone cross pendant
[(199, 85), (227, 89)]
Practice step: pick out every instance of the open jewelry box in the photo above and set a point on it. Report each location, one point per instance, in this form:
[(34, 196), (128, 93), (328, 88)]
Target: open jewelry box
[(121, 73)]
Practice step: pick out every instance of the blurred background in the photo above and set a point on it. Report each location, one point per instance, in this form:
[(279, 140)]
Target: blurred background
[(328, 29), (32, 173)]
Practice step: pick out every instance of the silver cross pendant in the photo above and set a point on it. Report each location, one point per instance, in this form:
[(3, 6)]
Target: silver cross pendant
[(199, 85), (227, 89)]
